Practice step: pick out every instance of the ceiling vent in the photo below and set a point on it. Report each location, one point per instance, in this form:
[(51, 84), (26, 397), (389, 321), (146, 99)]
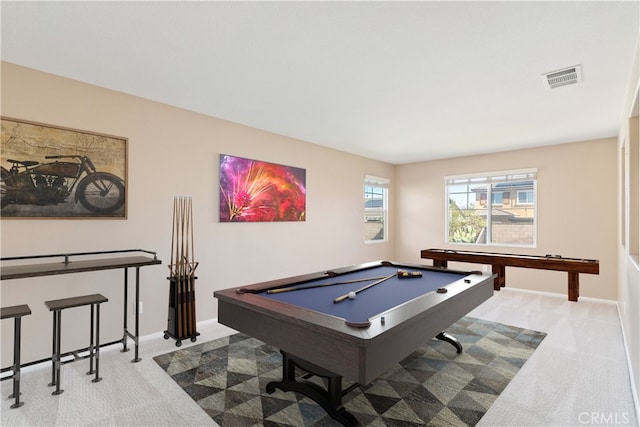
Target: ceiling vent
[(564, 77)]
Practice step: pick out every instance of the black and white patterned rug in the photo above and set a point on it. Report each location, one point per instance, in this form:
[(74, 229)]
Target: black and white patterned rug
[(433, 386)]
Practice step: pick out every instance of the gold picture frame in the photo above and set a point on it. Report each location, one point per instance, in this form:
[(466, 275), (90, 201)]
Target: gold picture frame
[(56, 172)]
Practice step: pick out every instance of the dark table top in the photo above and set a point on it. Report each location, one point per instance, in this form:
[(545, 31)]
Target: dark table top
[(49, 269), (14, 311)]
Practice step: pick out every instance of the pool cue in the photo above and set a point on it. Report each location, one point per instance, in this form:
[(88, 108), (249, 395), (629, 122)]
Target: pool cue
[(189, 258), (181, 270), (192, 267), (176, 265), (319, 285), (192, 311), (183, 281), (364, 288), (173, 235), (185, 260), (185, 256)]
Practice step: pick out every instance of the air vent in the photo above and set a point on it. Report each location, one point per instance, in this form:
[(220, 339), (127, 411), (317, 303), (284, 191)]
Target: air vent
[(564, 77)]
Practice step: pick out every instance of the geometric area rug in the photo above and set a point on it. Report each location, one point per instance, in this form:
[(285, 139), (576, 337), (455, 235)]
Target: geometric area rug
[(434, 385)]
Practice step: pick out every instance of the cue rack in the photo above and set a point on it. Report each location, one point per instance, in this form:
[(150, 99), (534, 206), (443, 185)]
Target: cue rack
[(182, 295)]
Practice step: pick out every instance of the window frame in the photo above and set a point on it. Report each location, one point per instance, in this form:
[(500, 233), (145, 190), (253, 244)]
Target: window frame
[(489, 179)]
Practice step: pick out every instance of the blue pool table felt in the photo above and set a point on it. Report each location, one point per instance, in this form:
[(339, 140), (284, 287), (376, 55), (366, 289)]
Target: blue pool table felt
[(371, 302)]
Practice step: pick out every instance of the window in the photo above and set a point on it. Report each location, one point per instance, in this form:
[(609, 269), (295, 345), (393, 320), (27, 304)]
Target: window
[(492, 209), (375, 208), (525, 197)]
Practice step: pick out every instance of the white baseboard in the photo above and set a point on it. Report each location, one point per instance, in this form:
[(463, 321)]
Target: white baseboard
[(555, 295), (634, 391)]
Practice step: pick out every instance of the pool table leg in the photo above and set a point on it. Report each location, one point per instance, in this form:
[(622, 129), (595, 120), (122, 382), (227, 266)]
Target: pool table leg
[(451, 340), (330, 399)]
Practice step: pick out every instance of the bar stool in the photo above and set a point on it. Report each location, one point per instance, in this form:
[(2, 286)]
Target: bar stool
[(61, 304), (16, 312)]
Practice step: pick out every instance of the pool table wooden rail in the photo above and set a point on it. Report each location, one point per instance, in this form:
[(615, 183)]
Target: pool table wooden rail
[(304, 278), (498, 261)]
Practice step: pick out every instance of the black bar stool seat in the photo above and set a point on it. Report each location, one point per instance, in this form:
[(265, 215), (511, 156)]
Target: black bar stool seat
[(16, 312), (56, 306)]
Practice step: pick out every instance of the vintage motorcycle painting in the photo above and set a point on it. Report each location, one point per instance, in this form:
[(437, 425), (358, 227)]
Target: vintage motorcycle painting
[(55, 172)]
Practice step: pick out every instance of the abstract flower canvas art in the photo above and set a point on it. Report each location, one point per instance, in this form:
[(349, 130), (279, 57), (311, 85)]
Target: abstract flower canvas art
[(256, 191)]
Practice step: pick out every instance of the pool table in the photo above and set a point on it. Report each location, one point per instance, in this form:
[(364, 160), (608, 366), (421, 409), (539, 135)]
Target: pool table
[(396, 309)]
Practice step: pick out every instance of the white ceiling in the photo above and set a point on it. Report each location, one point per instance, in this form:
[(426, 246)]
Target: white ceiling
[(399, 82)]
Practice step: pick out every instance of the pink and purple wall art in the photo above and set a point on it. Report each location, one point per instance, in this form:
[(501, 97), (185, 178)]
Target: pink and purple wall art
[(256, 191)]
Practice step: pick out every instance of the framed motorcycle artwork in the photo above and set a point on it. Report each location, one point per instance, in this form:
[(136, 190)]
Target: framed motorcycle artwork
[(56, 172)]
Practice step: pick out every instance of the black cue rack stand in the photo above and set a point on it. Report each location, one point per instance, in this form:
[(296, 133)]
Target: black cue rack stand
[(181, 323)]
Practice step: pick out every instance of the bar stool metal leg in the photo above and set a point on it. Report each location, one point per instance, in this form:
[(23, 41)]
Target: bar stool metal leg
[(16, 363), (97, 378), (56, 356), (137, 316), (91, 348), (16, 312), (125, 333), (53, 353)]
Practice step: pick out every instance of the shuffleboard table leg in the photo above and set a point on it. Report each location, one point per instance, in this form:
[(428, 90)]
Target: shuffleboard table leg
[(440, 263), (500, 281), (574, 286), (443, 336)]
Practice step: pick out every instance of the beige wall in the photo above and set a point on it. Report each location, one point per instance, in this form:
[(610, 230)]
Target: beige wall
[(577, 210), (173, 152)]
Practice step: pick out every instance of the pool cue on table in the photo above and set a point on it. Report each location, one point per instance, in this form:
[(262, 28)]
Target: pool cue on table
[(364, 288), (319, 285)]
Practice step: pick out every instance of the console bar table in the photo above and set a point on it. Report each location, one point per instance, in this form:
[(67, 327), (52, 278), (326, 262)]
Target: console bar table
[(73, 263)]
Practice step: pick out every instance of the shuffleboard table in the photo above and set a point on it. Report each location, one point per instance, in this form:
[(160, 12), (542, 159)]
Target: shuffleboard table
[(498, 261), (394, 309)]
